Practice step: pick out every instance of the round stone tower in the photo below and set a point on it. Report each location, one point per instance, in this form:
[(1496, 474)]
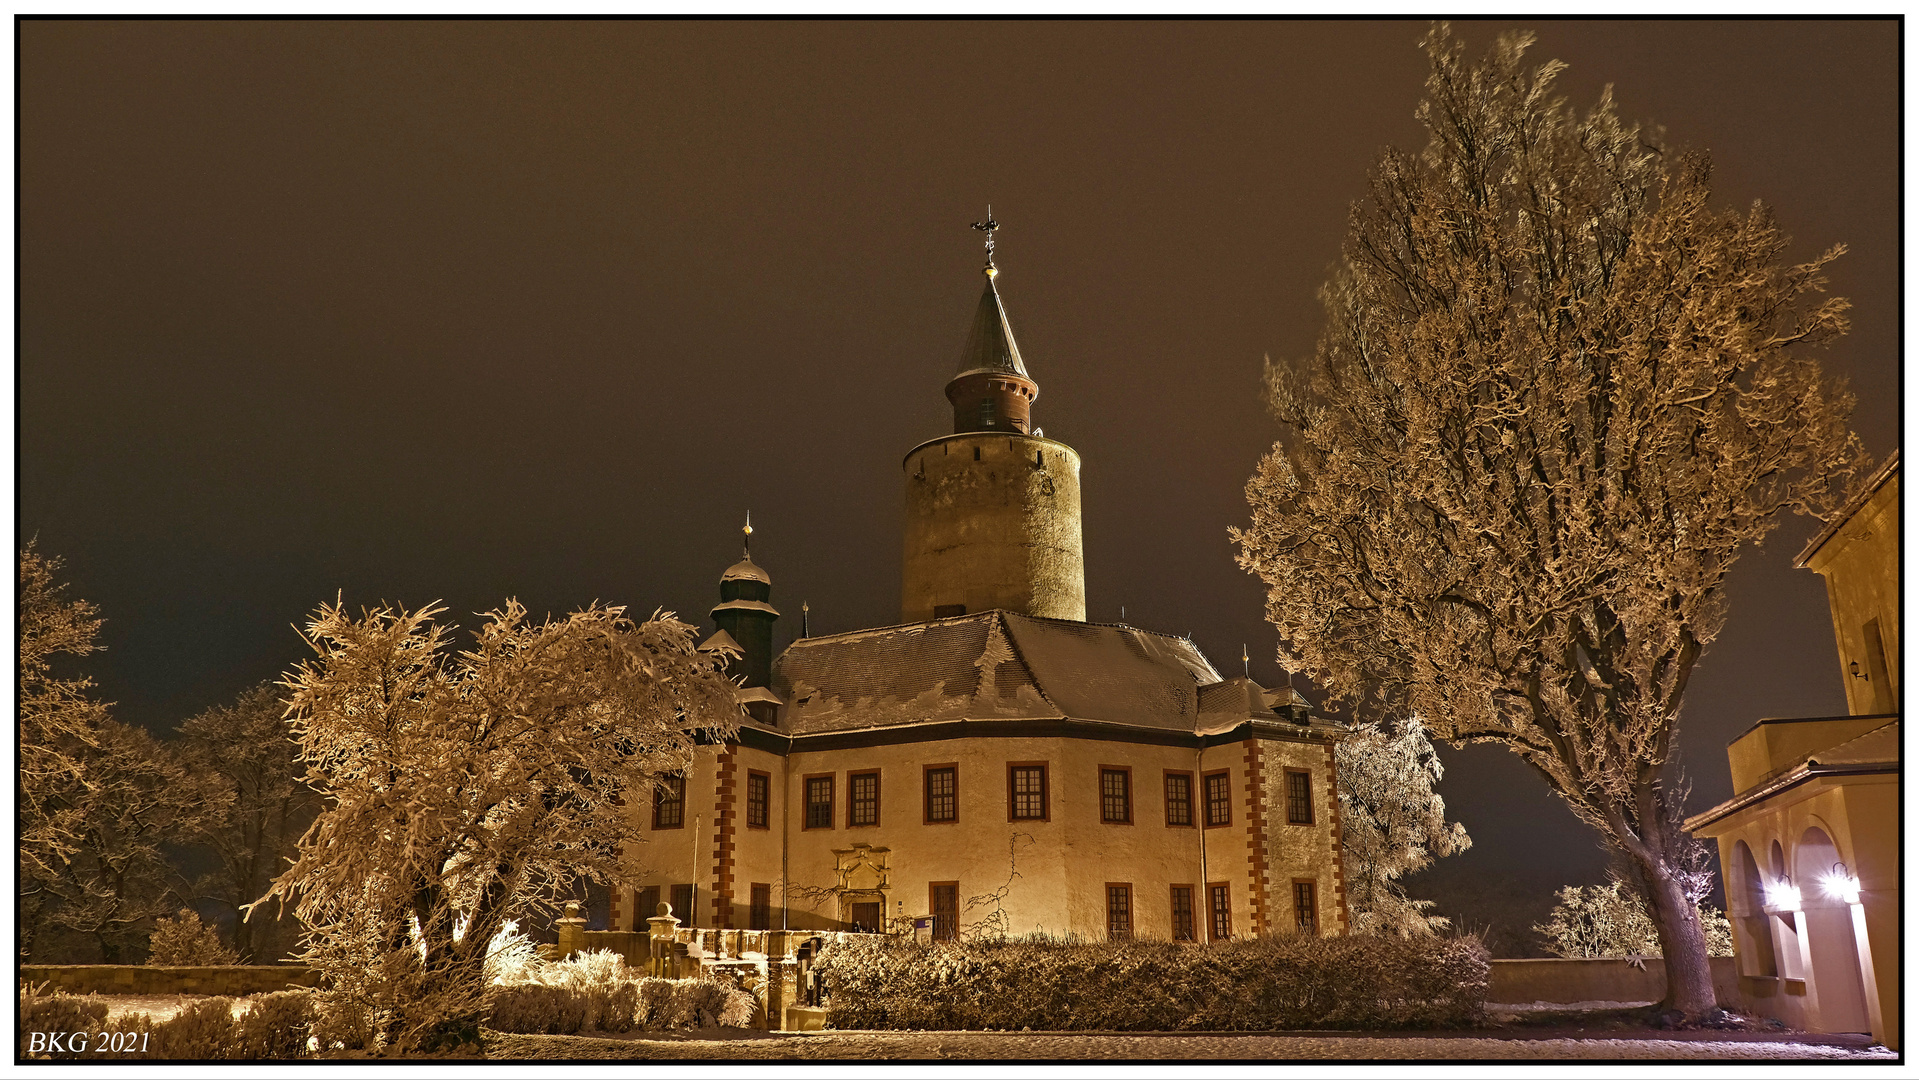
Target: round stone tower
[(992, 510)]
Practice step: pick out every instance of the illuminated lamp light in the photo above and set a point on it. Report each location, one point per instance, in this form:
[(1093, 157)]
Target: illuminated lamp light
[(1782, 895), (1840, 884)]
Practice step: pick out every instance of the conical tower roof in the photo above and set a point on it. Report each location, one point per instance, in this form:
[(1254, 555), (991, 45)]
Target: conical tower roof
[(990, 348)]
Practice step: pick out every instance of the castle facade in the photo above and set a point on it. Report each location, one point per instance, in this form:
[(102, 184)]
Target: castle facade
[(994, 762)]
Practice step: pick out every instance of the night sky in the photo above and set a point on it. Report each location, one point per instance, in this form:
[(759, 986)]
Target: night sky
[(462, 311)]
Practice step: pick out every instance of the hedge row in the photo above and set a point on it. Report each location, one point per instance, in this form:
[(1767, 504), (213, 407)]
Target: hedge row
[(1262, 984), (274, 1028)]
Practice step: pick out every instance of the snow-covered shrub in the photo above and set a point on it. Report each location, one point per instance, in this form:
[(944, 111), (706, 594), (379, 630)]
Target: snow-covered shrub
[(596, 991), (1611, 920), (203, 1031), (674, 1004), (591, 991), (185, 941), (275, 1027), (511, 955), (41, 1010), (1262, 984)]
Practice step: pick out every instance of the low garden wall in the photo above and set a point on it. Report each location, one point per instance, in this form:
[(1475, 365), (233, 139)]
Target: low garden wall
[(236, 980), (1521, 982)]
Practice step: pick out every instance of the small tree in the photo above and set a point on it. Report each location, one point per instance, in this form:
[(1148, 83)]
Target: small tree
[(1611, 920), (468, 791), (1555, 396), (247, 749), (1392, 823), (185, 941)]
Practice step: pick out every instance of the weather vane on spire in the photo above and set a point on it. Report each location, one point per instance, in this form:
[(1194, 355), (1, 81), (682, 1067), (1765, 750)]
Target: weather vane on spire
[(987, 227), (746, 544)]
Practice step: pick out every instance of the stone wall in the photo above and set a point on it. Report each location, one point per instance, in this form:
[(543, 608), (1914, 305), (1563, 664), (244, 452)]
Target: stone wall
[(1521, 982), (142, 979)]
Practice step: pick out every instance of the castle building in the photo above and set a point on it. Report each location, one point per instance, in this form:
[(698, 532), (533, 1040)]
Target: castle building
[(994, 762)]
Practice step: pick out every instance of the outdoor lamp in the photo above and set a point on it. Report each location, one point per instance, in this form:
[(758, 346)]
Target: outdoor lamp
[(1782, 895), (1840, 882)]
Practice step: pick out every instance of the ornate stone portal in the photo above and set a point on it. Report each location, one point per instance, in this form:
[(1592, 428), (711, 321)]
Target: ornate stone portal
[(862, 884)]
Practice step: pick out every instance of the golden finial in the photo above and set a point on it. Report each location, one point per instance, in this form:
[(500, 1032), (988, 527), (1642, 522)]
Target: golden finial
[(746, 545)]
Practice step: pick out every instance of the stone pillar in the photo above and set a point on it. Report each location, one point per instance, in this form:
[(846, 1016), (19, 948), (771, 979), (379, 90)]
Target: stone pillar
[(782, 990), (571, 929), (663, 931)]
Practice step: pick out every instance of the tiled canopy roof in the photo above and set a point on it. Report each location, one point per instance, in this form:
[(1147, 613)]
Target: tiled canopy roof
[(993, 665)]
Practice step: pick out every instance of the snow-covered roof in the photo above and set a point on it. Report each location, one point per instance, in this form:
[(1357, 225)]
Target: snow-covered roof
[(745, 570), (721, 641), (1881, 744), (992, 665), (744, 605), (746, 694)]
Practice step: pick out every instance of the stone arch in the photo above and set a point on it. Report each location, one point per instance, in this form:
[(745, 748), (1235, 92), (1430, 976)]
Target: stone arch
[(1746, 904), (1837, 983)]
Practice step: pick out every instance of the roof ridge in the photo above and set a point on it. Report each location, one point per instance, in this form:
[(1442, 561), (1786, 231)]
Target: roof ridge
[(1894, 722), (1032, 676), (1852, 506)]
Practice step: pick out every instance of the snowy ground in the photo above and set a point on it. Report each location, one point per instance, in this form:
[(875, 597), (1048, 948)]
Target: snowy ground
[(932, 1046), (158, 1006), (1516, 1044)]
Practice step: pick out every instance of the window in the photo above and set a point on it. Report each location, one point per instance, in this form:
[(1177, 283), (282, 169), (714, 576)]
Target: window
[(867, 915), (1305, 908), (1115, 795), (669, 802), (683, 904), (1299, 797), (1222, 909), (863, 798), (942, 793), (1219, 799), (1179, 798), (1183, 913), (759, 913), (986, 413), (647, 907), (757, 786), (1026, 792), (1119, 911), (945, 910), (819, 802)]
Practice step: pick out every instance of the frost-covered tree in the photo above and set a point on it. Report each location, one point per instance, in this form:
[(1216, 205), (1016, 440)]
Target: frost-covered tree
[(186, 941), (1392, 823), (59, 722), (465, 791), (1611, 920), (140, 802), (247, 749), (1555, 395)]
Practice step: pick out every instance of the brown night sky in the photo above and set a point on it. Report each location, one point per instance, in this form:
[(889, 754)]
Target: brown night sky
[(460, 311)]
